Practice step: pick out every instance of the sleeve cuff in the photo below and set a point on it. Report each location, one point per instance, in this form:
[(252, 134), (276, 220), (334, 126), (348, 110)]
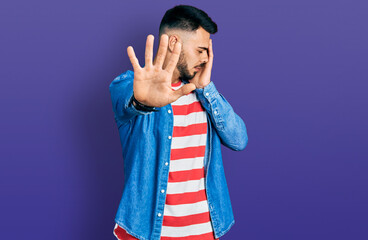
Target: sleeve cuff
[(208, 93)]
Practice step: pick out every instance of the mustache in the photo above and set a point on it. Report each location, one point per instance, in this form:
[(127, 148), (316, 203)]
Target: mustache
[(201, 66)]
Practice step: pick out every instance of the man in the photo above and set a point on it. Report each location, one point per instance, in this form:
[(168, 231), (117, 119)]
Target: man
[(172, 122)]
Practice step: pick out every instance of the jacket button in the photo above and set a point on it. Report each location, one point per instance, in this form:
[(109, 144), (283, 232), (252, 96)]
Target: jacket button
[(169, 137), (162, 190), (207, 94), (166, 163), (215, 112), (169, 111), (159, 214)]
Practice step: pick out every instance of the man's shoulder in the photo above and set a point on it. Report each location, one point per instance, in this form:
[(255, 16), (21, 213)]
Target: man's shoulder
[(125, 76), (123, 80)]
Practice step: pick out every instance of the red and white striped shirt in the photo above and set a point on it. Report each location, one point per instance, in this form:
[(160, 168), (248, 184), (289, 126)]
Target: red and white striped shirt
[(186, 213)]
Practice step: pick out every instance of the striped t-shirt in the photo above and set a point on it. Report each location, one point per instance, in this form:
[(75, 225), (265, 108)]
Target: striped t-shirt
[(186, 213)]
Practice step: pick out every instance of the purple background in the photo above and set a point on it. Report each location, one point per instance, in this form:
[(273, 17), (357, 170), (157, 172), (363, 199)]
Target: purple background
[(295, 71)]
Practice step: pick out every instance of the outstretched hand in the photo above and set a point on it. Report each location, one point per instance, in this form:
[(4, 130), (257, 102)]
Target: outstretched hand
[(152, 84)]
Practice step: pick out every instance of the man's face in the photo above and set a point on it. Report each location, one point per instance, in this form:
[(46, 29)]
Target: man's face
[(194, 54)]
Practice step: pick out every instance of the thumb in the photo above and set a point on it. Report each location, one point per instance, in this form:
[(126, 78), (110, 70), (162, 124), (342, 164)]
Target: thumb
[(184, 90)]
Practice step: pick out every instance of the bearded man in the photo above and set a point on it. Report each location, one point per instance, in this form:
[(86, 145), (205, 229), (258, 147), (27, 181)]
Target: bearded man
[(172, 122)]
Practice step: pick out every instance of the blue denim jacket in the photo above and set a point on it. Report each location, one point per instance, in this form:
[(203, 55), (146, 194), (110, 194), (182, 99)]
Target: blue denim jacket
[(146, 143)]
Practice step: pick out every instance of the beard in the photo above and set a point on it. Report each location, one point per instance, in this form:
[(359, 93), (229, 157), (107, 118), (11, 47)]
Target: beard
[(182, 67)]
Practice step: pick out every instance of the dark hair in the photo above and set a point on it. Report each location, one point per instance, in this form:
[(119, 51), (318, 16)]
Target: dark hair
[(187, 18)]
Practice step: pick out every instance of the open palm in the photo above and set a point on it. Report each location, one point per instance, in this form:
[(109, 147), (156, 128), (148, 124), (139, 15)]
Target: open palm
[(152, 84)]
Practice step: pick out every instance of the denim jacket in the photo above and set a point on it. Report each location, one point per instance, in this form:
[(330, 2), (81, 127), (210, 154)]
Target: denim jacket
[(146, 143)]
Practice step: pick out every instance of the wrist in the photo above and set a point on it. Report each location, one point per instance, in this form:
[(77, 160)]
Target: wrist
[(142, 107), (204, 85)]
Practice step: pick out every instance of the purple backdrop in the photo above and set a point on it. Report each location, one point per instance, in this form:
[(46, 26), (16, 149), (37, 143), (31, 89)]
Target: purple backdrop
[(295, 71)]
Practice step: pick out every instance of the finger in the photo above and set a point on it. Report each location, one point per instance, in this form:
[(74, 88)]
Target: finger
[(162, 49), (149, 51), (210, 55), (184, 90), (211, 49), (174, 58), (133, 59)]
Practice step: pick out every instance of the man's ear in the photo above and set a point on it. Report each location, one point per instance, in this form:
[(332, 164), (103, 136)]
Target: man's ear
[(172, 40)]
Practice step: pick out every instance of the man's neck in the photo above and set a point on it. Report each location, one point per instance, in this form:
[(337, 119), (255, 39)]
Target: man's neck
[(175, 78)]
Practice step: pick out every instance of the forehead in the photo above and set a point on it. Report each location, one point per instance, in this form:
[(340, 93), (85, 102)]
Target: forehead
[(199, 38)]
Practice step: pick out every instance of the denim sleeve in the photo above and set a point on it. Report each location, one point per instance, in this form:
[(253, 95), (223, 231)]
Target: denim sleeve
[(121, 91), (229, 126)]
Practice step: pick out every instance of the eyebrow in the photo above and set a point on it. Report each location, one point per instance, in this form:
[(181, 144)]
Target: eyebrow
[(203, 48)]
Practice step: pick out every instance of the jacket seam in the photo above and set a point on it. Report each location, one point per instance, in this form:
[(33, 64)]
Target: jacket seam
[(227, 229)]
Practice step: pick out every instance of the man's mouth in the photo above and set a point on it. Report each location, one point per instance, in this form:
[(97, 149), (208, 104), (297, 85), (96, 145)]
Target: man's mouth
[(197, 68)]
